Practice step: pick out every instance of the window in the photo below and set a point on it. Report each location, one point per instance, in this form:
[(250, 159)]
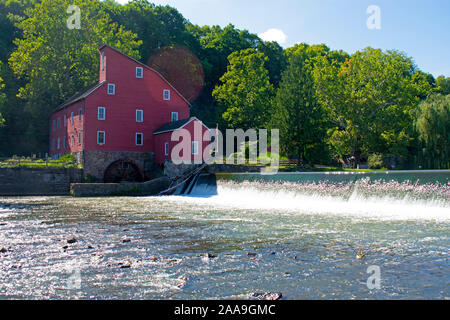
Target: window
[(139, 72), (174, 116), (54, 124), (166, 94), (166, 148), (111, 89), (100, 137), (79, 138), (79, 114), (101, 113), (53, 144), (59, 122), (65, 120), (58, 144), (71, 118), (103, 60), (71, 140), (64, 142), (139, 139), (139, 115), (194, 147)]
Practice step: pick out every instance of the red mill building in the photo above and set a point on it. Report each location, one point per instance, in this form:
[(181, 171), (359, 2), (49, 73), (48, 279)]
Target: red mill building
[(121, 126)]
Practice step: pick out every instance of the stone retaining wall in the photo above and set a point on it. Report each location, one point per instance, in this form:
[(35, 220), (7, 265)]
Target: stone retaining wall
[(34, 182), (149, 188), (95, 162)]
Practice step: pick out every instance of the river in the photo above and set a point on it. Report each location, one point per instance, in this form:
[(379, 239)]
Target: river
[(287, 234)]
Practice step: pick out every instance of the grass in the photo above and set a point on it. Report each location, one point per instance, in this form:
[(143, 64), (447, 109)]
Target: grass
[(67, 161)]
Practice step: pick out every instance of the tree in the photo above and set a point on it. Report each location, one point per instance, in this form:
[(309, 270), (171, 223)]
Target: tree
[(296, 111), (432, 123), (156, 26), (443, 85), (276, 60), (245, 92), (56, 61), (2, 99), (369, 98)]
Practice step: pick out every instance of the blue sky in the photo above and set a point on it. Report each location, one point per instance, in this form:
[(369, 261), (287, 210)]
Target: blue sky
[(421, 29)]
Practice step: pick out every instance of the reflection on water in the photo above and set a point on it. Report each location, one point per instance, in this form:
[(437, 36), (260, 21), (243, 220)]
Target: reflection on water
[(259, 238)]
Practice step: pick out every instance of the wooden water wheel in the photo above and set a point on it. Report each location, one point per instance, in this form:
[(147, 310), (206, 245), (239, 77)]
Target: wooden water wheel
[(122, 170)]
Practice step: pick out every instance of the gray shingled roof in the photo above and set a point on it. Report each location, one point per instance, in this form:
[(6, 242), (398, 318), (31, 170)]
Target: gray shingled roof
[(80, 95), (172, 126)]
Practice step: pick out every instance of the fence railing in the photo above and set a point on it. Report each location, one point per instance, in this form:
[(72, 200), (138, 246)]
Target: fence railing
[(29, 162)]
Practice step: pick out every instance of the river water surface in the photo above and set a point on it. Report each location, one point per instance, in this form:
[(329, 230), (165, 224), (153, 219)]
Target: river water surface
[(252, 236)]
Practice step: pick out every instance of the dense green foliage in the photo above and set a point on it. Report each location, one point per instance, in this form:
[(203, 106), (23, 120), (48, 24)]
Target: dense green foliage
[(433, 127), (245, 90), (329, 106), (2, 98)]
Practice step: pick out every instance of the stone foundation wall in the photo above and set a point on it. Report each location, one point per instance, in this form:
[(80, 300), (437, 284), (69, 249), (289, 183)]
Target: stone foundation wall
[(37, 182), (149, 188), (176, 170), (95, 162)]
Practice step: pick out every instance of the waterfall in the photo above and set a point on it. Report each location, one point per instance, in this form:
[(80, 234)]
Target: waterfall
[(381, 196)]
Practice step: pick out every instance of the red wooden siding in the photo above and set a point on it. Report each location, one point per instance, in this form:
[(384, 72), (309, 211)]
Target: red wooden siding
[(120, 126), (192, 127)]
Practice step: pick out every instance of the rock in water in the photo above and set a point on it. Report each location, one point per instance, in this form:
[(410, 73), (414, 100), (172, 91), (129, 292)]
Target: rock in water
[(3, 250), (71, 240), (267, 295)]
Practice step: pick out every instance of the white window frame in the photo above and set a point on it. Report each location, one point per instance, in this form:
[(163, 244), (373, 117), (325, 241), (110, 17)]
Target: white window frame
[(166, 94), (194, 143), (104, 137), (142, 72), (98, 113), (174, 113), (71, 118), (166, 148), (142, 115), (113, 86), (103, 60), (136, 138)]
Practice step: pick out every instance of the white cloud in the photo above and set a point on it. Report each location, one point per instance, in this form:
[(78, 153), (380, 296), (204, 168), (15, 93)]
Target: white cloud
[(274, 35)]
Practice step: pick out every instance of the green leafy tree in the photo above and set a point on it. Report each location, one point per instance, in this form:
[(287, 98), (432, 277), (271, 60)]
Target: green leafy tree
[(11, 11), (443, 85), (213, 46), (296, 112), (369, 98), (2, 99), (276, 62), (246, 92), (432, 123), (156, 26), (56, 61)]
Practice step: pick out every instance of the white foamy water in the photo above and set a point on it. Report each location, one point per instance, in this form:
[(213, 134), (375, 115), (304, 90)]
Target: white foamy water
[(291, 203)]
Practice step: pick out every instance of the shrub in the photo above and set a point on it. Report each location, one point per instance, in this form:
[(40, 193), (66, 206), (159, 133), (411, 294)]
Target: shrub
[(375, 161)]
